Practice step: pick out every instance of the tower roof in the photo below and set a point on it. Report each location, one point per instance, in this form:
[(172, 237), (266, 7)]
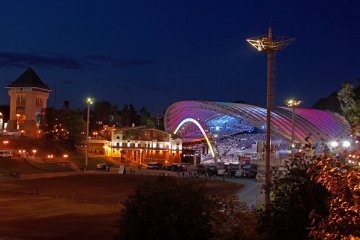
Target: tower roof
[(29, 79)]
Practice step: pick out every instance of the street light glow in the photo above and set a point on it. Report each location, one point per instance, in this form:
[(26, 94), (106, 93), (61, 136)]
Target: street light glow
[(292, 102), (334, 144), (90, 100), (346, 144)]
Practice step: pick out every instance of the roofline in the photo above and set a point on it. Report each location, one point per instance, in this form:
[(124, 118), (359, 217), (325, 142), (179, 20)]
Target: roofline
[(47, 89)]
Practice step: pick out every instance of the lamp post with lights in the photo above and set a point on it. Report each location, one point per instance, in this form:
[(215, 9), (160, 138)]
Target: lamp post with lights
[(269, 44), (89, 101), (292, 103)]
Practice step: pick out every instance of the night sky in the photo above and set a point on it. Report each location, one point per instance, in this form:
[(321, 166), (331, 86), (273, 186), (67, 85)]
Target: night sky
[(153, 53)]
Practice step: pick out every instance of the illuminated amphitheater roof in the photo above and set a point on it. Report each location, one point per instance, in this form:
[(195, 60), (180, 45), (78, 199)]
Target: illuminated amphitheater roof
[(225, 119)]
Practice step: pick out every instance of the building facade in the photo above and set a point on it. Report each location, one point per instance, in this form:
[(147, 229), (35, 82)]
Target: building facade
[(142, 145), (28, 98)]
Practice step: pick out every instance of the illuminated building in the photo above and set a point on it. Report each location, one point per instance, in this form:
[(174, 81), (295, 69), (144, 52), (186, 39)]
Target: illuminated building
[(142, 145), (228, 131), (28, 97)]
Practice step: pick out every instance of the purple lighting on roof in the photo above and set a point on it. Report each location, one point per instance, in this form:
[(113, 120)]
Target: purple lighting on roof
[(318, 125)]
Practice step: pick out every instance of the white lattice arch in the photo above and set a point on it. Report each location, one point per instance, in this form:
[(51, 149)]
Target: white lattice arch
[(187, 120)]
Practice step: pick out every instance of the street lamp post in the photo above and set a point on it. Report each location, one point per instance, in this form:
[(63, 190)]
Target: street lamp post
[(269, 44), (89, 101), (293, 103)]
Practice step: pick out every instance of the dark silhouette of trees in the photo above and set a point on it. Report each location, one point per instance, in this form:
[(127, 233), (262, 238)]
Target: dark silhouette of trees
[(166, 209), (145, 118), (5, 110), (330, 103), (294, 196), (66, 125), (171, 208), (104, 112)]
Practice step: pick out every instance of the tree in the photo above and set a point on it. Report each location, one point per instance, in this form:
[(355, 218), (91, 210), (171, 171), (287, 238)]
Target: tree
[(104, 111), (5, 110), (145, 118), (294, 196), (64, 125), (350, 103), (171, 208), (74, 124), (128, 115), (232, 219), (162, 209), (343, 182), (330, 103)]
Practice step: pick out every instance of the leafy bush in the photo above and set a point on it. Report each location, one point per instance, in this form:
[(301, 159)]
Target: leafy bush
[(169, 208)]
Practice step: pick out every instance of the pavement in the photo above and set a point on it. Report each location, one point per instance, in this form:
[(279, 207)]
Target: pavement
[(251, 193)]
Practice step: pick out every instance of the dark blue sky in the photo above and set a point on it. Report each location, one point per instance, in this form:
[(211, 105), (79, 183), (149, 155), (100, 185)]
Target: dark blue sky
[(153, 53)]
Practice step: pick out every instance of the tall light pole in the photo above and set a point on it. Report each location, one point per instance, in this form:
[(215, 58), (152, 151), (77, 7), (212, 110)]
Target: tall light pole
[(269, 44), (89, 101), (293, 103)]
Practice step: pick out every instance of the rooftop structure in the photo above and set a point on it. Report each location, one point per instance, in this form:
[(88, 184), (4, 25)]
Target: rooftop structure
[(200, 119), (28, 98)]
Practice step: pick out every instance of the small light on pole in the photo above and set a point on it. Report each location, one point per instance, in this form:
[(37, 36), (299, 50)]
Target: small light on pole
[(292, 103), (89, 101)]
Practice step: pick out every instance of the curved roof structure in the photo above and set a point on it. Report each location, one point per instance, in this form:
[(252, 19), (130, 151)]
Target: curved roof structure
[(225, 119)]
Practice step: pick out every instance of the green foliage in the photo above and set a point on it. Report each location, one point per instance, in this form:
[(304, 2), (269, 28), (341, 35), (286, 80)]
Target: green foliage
[(232, 219), (64, 125), (145, 118), (75, 124), (166, 209), (104, 111), (171, 208), (349, 98), (128, 115), (294, 196)]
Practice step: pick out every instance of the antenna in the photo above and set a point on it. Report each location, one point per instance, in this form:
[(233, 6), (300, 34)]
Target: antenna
[(269, 44)]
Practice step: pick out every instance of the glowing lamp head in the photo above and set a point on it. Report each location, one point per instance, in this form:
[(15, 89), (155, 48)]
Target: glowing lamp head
[(89, 100), (346, 144), (334, 144), (292, 102)]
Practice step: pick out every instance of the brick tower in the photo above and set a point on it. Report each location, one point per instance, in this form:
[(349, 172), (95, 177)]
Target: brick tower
[(28, 97)]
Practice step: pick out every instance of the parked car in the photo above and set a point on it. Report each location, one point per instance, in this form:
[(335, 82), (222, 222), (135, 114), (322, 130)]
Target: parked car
[(154, 165), (249, 170), (103, 166), (212, 170), (167, 167), (233, 168)]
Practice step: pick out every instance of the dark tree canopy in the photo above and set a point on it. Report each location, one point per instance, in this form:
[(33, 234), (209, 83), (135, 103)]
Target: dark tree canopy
[(330, 103), (294, 196), (105, 112), (166, 209), (64, 125), (172, 208)]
